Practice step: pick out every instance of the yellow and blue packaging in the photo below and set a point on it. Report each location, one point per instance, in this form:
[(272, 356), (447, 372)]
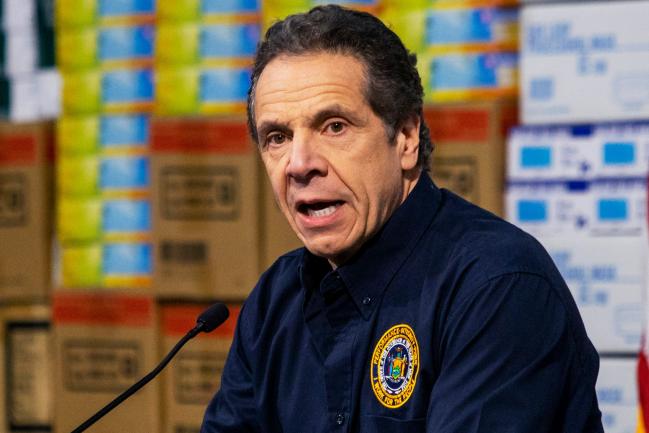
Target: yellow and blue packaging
[(92, 47), (194, 90), (108, 91)]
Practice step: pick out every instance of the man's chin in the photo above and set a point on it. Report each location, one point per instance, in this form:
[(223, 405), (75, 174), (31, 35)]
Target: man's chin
[(335, 256)]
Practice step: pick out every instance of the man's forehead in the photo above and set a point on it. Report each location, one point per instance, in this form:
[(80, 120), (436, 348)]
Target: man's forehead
[(322, 79), (290, 69)]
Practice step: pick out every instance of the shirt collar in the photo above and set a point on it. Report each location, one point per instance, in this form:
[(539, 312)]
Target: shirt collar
[(369, 272)]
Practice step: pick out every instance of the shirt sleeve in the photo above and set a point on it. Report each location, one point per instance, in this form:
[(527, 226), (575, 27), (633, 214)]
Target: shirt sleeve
[(233, 407), (512, 361)]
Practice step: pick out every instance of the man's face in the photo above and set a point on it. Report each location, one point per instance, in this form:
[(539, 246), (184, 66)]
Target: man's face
[(334, 173)]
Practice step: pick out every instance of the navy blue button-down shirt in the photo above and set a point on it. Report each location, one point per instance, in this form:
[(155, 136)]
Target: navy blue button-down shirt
[(449, 320)]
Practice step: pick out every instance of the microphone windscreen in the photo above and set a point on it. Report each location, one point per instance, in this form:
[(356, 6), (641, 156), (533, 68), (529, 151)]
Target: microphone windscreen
[(213, 316)]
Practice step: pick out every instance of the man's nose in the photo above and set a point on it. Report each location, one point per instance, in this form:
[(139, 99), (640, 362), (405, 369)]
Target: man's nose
[(306, 159)]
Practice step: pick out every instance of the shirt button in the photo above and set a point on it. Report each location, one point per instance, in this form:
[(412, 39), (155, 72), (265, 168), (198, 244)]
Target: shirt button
[(367, 300), (340, 419)]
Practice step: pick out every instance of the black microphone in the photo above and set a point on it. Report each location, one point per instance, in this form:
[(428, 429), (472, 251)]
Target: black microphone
[(207, 321)]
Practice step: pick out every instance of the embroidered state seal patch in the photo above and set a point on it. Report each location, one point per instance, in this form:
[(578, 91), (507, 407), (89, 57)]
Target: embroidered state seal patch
[(395, 364)]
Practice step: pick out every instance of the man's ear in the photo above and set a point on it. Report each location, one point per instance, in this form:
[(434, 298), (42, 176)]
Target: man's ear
[(407, 140)]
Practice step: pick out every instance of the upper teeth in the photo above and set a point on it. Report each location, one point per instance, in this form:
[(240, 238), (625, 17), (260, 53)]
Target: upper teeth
[(322, 212)]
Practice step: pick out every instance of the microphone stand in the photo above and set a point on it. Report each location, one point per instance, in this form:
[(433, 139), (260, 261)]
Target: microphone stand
[(146, 379)]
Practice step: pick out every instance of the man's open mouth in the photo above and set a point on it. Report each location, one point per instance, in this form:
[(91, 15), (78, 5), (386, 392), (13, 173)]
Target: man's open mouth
[(319, 209)]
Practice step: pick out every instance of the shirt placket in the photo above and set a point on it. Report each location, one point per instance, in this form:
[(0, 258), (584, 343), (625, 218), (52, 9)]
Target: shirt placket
[(342, 319)]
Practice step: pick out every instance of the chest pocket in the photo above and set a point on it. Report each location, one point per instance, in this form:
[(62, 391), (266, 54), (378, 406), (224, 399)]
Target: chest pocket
[(377, 423)]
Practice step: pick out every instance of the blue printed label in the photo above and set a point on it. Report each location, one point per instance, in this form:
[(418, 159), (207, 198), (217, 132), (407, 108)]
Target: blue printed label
[(224, 85), (619, 153), (126, 216), (467, 25), (229, 40), (124, 173), (115, 8), (471, 71), (124, 130), (536, 157), (542, 89), (126, 43), (612, 209), (458, 26), (229, 6), (127, 258), (532, 211), (127, 86)]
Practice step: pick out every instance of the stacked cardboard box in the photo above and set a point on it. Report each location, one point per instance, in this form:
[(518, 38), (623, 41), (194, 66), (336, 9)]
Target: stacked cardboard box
[(25, 211), (204, 174), (206, 236), (26, 234), (466, 50), (104, 342), (29, 90), (581, 189), (617, 394), (203, 55), (585, 62), (104, 326), (194, 376), (26, 368), (469, 156), (595, 230), (29, 84), (105, 52)]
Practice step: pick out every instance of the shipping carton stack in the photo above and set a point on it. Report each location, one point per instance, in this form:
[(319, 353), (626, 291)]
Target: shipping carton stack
[(26, 223), (577, 173), (203, 56), (104, 326), (206, 237), (29, 83), (26, 229), (205, 189), (29, 95), (26, 235), (104, 342), (204, 167), (468, 62), (105, 53), (467, 50)]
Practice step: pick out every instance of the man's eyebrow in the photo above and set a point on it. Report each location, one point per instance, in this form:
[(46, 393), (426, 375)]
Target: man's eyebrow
[(330, 111), (335, 110), (267, 126)]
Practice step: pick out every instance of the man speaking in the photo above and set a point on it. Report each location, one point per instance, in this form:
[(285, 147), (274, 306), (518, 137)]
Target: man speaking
[(409, 309)]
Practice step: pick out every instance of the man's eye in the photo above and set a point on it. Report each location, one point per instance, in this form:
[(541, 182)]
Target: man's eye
[(336, 127), (276, 139)]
